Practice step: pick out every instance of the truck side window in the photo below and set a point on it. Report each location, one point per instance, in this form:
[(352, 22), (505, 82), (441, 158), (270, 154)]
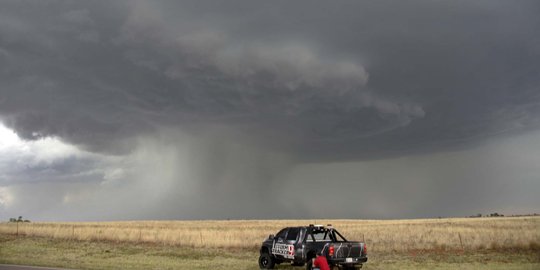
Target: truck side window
[(281, 234), (293, 233)]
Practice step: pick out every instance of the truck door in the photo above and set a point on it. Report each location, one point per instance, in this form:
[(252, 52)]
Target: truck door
[(282, 246), (292, 240)]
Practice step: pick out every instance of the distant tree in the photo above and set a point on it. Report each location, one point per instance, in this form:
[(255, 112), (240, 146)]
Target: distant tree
[(20, 219)]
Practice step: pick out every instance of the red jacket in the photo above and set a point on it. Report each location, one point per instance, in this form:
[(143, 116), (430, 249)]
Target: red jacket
[(321, 262)]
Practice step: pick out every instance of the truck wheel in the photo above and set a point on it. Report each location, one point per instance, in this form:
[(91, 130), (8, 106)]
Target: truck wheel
[(266, 261)]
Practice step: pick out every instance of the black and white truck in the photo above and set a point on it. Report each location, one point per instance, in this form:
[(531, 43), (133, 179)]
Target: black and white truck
[(299, 245)]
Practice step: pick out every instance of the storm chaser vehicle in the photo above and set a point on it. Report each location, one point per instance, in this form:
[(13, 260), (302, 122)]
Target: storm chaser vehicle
[(299, 245)]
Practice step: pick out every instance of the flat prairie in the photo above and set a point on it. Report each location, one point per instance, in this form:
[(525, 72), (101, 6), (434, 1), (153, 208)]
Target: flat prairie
[(454, 243)]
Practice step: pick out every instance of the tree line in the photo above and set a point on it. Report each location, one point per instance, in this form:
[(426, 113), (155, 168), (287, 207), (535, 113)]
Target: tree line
[(20, 219)]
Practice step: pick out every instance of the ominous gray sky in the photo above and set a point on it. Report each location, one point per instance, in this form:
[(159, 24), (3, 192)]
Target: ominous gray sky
[(276, 109)]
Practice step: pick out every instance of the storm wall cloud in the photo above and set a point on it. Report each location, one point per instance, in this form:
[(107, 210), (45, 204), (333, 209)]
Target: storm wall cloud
[(191, 104)]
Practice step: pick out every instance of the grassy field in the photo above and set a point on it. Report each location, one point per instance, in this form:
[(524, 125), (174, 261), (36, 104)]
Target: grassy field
[(474, 243), (380, 235)]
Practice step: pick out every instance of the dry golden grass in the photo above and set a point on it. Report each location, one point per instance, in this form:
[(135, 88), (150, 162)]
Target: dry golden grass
[(380, 235)]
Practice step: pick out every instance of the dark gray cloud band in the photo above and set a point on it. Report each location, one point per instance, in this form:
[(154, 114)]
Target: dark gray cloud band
[(376, 79)]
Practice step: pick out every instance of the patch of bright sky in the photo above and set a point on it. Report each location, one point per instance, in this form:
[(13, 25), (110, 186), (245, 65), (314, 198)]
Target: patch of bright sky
[(8, 138), (15, 151), (42, 150), (5, 197)]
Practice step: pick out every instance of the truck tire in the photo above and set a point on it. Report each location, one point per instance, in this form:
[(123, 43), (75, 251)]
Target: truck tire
[(266, 261)]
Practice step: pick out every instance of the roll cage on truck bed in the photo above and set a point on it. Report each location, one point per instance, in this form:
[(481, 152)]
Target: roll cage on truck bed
[(299, 245)]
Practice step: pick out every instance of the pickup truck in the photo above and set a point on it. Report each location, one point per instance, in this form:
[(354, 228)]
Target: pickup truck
[(299, 245)]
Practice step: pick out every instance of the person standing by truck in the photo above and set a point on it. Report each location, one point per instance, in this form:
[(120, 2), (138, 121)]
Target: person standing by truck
[(320, 262)]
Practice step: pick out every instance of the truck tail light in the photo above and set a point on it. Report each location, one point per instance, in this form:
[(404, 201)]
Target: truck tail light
[(291, 250), (365, 249), (331, 251)]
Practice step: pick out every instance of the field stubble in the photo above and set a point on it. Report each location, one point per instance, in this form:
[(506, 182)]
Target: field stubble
[(489, 243), (517, 233)]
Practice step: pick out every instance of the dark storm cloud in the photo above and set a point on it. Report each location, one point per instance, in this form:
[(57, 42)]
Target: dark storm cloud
[(327, 81), (223, 99)]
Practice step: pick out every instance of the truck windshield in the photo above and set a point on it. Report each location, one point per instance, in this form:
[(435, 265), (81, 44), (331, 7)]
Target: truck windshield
[(281, 234)]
